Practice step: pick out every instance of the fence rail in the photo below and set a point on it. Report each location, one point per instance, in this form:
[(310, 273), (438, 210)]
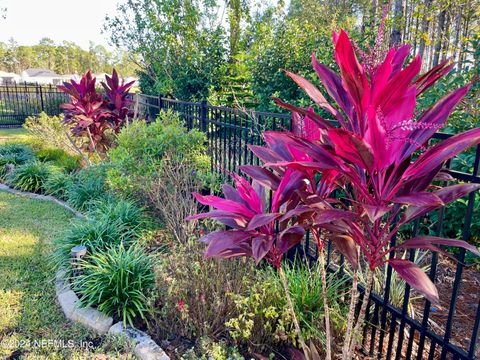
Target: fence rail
[(19, 101), (406, 328)]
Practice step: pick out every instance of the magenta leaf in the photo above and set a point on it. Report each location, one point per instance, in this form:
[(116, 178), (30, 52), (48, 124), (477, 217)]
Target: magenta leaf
[(416, 278), (261, 245), (265, 154), (431, 76), (290, 237), (333, 215), (346, 245), (432, 243), (315, 94), (351, 147), (432, 120), (262, 176), (261, 220), (333, 84), (438, 154), (227, 244), (419, 199), (223, 204)]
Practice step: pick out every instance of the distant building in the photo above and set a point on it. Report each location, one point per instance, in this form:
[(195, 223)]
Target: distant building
[(41, 76), (8, 78)]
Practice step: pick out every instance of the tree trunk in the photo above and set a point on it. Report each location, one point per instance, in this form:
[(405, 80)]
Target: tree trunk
[(396, 36), (456, 41), (446, 38), (407, 17), (415, 34), (440, 33), (425, 25)]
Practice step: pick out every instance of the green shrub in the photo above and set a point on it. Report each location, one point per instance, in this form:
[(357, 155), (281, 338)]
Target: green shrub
[(59, 158), (126, 212), (15, 154), (142, 148), (31, 176), (117, 281), (87, 187), (57, 185), (96, 234)]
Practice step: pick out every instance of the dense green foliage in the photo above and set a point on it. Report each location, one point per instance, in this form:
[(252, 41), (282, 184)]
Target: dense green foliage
[(31, 176), (87, 186), (117, 281), (188, 52), (59, 158), (14, 154), (264, 321), (141, 150)]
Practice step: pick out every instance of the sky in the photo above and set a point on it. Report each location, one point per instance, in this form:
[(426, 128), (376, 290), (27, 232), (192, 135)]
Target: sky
[(80, 21)]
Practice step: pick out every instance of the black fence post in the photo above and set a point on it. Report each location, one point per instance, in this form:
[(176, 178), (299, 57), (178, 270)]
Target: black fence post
[(160, 103), (41, 97), (203, 115)]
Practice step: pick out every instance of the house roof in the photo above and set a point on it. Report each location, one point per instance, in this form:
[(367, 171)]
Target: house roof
[(40, 72), (8, 74)]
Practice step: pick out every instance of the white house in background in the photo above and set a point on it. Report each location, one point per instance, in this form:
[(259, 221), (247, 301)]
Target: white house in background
[(8, 78), (41, 76)]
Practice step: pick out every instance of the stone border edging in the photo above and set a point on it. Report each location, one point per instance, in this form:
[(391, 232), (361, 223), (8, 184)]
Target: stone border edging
[(145, 347), (41, 197)]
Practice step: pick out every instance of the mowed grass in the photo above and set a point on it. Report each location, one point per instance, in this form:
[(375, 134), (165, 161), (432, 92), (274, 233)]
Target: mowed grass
[(14, 135), (32, 325)]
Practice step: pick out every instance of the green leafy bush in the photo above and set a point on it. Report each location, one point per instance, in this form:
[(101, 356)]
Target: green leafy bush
[(87, 187), (59, 158), (57, 185), (117, 281), (126, 212), (31, 176), (14, 154), (142, 148)]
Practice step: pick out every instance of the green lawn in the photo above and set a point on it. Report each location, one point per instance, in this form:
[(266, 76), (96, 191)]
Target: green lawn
[(17, 134), (32, 325)]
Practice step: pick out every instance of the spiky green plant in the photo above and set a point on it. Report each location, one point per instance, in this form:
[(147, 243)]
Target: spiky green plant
[(117, 281), (31, 176)]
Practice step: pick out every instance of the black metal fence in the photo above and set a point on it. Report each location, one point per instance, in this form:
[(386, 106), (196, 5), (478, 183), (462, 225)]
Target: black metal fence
[(19, 101), (400, 325)]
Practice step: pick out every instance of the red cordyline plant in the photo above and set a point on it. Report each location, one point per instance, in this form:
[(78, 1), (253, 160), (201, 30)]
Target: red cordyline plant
[(379, 157), (91, 113)]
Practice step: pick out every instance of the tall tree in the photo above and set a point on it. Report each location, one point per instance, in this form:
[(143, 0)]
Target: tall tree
[(440, 34), (425, 24), (396, 36)]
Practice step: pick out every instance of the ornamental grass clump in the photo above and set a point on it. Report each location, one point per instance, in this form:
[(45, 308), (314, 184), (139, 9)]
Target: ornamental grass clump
[(117, 281), (31, 176), (379, 158)]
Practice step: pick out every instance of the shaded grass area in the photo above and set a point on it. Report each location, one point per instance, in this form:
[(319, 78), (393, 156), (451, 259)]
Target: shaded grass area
[(14, 135), (32, 325)]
